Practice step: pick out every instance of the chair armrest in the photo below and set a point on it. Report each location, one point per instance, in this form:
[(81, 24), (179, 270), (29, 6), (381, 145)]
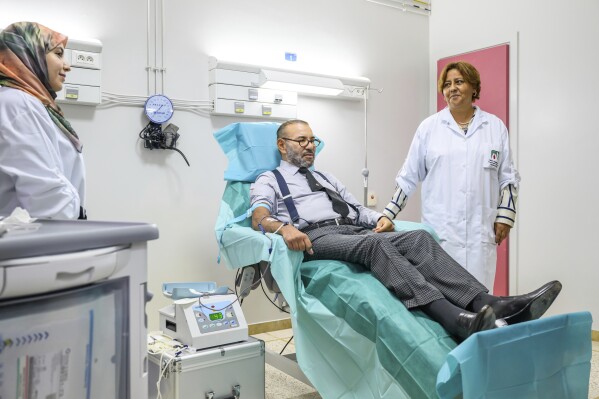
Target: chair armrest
[(244, 246)]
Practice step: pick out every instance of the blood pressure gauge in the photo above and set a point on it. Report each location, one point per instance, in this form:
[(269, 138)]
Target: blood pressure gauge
[(158, 108)]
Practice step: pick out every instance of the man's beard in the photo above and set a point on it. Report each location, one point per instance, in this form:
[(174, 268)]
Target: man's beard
[(295, 158)]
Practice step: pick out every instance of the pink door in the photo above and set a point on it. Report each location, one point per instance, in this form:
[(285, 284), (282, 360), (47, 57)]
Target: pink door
[(493, 65)]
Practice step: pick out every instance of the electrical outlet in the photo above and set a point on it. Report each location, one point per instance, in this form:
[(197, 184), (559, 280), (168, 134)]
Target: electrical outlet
[(85, 59), (372, 199)]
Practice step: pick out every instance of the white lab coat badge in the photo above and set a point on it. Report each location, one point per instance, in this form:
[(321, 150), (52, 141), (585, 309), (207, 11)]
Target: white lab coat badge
[(493, 161)]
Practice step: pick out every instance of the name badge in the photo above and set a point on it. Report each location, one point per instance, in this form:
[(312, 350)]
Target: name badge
[(493, 161)]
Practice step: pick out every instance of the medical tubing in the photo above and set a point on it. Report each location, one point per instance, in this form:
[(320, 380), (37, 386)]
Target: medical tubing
[(270, 300), (279, 228), (252, 286), (212, 309), (235, 285), (154, 137), (264, 230), (264, 291), (268, 215), (163, 370), (179, 151)]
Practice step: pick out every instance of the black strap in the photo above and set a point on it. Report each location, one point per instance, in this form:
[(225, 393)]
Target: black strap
[(287, 198)]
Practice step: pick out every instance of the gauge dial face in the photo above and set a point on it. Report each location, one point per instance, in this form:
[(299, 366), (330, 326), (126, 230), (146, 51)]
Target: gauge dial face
[(159, 108)]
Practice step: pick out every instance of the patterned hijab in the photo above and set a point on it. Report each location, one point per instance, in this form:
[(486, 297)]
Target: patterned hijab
[(23, 49)]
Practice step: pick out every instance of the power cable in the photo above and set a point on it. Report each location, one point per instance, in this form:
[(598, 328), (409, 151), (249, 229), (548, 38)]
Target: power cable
[(156, 138)]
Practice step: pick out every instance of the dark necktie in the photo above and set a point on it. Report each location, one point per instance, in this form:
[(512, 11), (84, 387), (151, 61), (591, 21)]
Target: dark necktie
[(339, 205)]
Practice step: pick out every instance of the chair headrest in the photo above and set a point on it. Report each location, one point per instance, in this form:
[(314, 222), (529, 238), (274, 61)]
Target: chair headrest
[(251, 149)]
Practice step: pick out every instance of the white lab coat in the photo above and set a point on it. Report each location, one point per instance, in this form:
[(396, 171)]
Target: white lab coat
[(40, 170), (462, 176)]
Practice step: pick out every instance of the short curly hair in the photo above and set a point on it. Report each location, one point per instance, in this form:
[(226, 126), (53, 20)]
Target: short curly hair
[(469, 73)]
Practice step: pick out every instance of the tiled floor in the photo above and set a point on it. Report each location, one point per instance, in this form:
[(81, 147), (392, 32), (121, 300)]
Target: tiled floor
[(594, 383), (281, 386)]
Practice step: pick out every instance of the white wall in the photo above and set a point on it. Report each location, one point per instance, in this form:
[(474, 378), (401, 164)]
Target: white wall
[(556, 141), (129, 183)]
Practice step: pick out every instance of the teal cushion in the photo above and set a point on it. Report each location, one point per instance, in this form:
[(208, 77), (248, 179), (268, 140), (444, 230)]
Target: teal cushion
[(251, 149)]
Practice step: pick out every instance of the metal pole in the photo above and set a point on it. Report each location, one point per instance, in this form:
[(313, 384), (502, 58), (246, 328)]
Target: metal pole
[(365, 171), (148, 49), (162, 70)]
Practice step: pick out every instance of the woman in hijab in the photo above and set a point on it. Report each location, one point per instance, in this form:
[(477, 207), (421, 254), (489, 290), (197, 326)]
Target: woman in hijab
[(41, 166)]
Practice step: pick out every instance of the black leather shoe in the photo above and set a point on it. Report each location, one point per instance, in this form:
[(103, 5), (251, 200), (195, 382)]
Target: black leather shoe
[(531, 306), (470, 323)]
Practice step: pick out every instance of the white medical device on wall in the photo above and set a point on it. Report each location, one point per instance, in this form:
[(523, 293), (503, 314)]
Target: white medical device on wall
[(264, 92), (202, 316), (83, 82)]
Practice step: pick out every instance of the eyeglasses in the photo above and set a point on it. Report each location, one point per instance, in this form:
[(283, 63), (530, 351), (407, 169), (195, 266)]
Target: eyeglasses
[(303, 142)]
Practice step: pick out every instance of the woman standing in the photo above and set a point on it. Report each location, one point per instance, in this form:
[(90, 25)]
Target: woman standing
[(469, 183), (41, 166)]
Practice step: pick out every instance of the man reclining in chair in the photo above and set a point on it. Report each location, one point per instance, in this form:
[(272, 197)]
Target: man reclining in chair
[(316, 214)]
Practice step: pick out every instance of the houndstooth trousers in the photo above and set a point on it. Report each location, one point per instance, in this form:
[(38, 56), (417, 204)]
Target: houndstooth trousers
[(411, 264)]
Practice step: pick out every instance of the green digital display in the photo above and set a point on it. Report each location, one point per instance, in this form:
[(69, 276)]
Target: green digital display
[(216, 316)]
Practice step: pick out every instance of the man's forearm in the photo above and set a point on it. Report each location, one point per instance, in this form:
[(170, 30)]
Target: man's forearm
[(263, 221)]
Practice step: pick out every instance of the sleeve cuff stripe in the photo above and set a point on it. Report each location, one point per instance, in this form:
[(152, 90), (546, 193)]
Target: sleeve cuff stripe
[(505, 217), (391, 212)]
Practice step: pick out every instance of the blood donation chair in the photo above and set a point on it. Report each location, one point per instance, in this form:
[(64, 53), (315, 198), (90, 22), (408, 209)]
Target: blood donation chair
[(354, 339)]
